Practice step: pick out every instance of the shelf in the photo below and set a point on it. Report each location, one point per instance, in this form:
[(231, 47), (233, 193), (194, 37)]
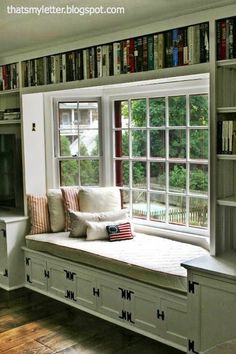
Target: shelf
[(226, 110), (229, 63), (226, 157), (228, 201), (13, 121), (9, 92)]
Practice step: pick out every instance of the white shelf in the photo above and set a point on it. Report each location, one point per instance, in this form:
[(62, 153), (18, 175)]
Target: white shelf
[(12, 121), (226, 157), (226, 110), (228, 63), (228, 201), (9, 92)]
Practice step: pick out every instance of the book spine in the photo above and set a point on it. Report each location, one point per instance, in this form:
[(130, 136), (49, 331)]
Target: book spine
[(1, 79), (131, 59), (180, 46), (111, 66), (99, 61), (230, 38), (185, 47), (155, 52), (175, 51), (196, 44), (160, 51), (218, 40), (234, 37), (145, 53), (168, 49), (223, 40), (190, 44), (150, 44), (85, 64)]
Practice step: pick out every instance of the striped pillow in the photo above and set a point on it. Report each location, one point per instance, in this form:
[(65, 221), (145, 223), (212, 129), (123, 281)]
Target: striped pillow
[(39, 214), (71, 202), (120, 232)]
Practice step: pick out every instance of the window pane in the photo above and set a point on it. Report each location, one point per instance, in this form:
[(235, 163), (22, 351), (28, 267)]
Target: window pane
[(198, 178), (125, 197), (158, 176), (68, 118), (68, 144), (157, 143), (157, 111), (122, 173), (139, 170), (177, 210), (199, 144), (69, 173), (139, 207), (89, 172), (177, 178), (121, 143), (198, 110), (138, 113), (158, 207), (177, 110), (88, 143), (177, 143), (139, 143), (124, 122), (88, 114), (198, 212)]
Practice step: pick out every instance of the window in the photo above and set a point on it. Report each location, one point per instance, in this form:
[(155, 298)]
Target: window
[(161, 158), (77, 142)]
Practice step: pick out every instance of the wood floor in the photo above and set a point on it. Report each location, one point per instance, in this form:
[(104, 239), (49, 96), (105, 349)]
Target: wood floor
[(31, 323)]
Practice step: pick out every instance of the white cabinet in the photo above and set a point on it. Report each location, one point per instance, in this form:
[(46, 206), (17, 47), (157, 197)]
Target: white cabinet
[(12, 238), (211, 301), (146, 309)]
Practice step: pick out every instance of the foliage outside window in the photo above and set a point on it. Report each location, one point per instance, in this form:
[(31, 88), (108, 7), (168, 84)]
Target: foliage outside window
[(161, 158), (78, 142)]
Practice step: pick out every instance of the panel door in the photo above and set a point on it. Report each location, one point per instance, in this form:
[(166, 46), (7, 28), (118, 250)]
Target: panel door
[(174, 321), (109, 298), (144, 308), (84, 286), (35, 268), (57, 281), (3, 255)]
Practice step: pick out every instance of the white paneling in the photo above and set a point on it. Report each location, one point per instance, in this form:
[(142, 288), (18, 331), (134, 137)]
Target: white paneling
[(33, 143)]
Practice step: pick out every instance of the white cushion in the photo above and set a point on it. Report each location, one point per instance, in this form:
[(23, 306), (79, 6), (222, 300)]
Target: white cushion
[(56, 210), (78, 220), (99, 199), (97, 230)]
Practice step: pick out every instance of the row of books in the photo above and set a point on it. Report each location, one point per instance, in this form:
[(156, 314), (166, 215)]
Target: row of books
[(226, 38), (9, 77), (226, 140), (10, 114), (182, 46)]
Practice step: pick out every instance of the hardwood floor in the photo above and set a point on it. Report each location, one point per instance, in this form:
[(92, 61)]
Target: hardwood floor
[(31, 323)]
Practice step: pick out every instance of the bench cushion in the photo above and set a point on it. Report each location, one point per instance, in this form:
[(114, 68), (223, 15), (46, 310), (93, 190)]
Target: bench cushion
[(149, 259)]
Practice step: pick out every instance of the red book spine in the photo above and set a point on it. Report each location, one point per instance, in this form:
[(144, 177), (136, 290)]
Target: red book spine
[(4, 77), (223, 40)]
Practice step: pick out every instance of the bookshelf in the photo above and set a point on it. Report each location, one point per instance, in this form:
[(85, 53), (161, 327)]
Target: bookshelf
[(173, 48), (226, 132)]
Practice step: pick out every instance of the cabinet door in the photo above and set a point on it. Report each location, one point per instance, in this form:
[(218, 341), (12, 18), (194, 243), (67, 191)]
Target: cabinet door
[(3, 255), (83, 283), (174, 322), (144, 304), (109, 298), (35, 268), (214, 303), (56, 278)]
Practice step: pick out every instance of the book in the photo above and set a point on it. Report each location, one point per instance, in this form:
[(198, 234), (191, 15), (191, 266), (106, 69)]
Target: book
[(145, 53), (116, 58), (150, 52), (160, 51), (168, 44), (175, 50), (130, 54)]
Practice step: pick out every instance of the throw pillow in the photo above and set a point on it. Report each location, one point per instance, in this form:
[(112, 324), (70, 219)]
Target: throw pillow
[(78, 220), (93, 199), (39, 214), (70, 200), (98, 231), (120, 232), (56, 210)]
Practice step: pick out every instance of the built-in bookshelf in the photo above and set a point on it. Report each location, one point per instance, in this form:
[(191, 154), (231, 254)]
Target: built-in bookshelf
[(176, 47), (9, 77), (225, 38)]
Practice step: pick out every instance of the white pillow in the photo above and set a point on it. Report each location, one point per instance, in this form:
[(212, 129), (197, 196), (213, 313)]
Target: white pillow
[(97, 230), (99, 199), (78, 220), (56, 210)]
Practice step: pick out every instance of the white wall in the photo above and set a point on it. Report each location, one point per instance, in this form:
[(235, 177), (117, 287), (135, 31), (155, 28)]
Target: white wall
[(34, 143)]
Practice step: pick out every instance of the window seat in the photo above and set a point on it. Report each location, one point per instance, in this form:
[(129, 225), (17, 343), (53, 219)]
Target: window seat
[(149, 259)]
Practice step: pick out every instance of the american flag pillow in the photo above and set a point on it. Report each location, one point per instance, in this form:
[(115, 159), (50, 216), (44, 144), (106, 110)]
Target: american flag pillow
[(120, 232)]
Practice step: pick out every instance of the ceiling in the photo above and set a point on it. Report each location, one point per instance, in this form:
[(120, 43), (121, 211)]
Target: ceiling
[(24, 32)]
